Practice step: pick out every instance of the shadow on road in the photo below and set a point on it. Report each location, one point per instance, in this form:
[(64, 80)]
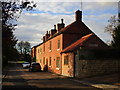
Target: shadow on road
[(35, 88), (19, 78)]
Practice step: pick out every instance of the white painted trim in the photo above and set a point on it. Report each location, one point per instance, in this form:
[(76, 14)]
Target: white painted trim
[(58, 68)]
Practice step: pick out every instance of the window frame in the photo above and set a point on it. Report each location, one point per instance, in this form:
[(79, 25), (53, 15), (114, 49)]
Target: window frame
[(44, 60), (58, 63), (66, 60), (50, 46), (50, 61), (58, 46)]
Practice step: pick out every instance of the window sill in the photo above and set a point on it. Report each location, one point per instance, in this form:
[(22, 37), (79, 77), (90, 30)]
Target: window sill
[(50, 50), (58, 49), (58, 68)]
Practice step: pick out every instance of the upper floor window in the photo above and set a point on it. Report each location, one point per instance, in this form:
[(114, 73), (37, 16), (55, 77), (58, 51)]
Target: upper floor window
[(50, 45), (40, 50), (58, 44), (44, 47)]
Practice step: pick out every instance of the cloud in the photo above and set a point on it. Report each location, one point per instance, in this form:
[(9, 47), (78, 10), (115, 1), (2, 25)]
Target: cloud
[(97, 24), (76, 0), (32, 26)]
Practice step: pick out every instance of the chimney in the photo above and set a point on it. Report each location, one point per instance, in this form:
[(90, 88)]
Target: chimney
[(78, 15), (47, 35), (53, 31), (54, 27), (43, 38), (60, 25)]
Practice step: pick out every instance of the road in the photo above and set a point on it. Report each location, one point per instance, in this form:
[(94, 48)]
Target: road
[(17, 77)]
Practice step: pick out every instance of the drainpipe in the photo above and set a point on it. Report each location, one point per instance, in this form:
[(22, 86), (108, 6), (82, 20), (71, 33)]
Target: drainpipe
[(61, 64), (74, 66)]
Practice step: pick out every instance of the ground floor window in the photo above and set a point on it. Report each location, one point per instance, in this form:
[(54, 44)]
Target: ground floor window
[(44, 60), (58, 62), (66, 60), (50, 62), (40, 60)]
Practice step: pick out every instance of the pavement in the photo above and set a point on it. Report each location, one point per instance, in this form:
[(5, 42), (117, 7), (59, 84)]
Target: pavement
[(103, 82)]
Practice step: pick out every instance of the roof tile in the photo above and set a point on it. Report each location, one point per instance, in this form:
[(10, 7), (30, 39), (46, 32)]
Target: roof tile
[(77, 43)]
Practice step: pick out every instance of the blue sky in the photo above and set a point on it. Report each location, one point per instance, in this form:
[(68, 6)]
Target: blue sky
[(33, 25)]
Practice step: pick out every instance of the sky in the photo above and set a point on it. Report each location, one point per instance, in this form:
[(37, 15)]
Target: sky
[(33, 25)]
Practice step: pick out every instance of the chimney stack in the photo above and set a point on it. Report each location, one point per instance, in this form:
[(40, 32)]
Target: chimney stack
[(54, 27), (78, 15), (47, 35), (53, 31), (60, 25), (43, 38)]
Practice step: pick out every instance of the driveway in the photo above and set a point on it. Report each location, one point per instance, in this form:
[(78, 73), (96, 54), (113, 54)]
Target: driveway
[(17, 77)]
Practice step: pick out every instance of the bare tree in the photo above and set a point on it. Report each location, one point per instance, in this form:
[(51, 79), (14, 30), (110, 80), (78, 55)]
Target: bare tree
[(20, 46), (113, 23), (10, 12), (114, 29), (27, 47), (24, 47)]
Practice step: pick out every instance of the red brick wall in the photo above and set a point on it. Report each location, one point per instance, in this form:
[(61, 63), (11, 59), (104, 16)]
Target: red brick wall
[(94, 40), (33, 52), (68, 70), (53, 53), (69, 39)]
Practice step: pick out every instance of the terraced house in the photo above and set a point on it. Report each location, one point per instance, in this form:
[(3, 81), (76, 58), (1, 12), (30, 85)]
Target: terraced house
[(64, 46)]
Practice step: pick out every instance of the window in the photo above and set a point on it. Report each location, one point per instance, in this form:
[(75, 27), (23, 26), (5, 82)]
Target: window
[(44, 47), (47, 62), (66, 60), (50, 45), (50, 61), (58, 62), (81, 57), (44, 60), (93, 45), (58, 44), (40, 50), (40, 60)]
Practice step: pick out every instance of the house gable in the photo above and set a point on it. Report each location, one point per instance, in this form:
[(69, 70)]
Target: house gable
[(89, 41)]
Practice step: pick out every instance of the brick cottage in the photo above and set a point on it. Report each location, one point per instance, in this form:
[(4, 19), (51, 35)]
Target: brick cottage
[(67, 50)]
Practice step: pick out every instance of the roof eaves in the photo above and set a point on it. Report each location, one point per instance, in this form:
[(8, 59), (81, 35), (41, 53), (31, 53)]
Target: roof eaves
[(71, 48)]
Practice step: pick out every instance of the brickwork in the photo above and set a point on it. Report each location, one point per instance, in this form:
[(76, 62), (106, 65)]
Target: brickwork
[(44, 54), (89, 68), (49, 53), (68, 70)]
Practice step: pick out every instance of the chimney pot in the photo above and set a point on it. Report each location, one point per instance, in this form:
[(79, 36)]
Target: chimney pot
[(43, 38), (78, 15), (60, 25), (55, 27), (47, 35), (62, 21), (53, 31), (47, 32)]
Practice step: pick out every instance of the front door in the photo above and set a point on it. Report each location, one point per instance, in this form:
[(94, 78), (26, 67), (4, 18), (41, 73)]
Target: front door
[(47, 62)]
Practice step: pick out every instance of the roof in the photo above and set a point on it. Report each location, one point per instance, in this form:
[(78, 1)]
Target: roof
[(76, 27), (77, 43)]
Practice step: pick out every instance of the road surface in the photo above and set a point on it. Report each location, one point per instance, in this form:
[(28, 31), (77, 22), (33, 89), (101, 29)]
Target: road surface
[(17, 77)]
